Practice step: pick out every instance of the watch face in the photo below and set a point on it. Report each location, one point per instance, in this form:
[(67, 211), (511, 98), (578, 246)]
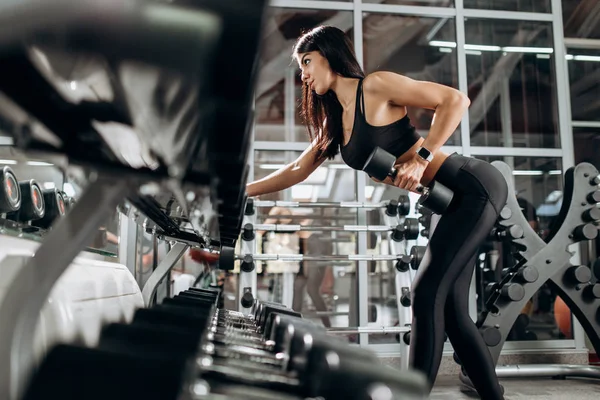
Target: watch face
[(423, 152)]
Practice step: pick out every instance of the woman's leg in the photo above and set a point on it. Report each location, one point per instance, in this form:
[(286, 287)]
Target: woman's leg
[(299, 285), (453, 243), (480, 192), (466, 339), (313, 288)]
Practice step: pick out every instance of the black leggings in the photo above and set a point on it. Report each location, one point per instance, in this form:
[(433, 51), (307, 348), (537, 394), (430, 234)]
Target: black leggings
[(440, 291)]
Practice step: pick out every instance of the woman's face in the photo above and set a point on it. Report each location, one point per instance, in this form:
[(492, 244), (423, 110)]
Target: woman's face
[(316, 72)]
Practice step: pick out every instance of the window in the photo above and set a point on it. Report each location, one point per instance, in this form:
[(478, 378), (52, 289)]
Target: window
[(581, 18), (540, 6), (584, 80), (512, 83), (432, 3), (278, 88), (410, 46)]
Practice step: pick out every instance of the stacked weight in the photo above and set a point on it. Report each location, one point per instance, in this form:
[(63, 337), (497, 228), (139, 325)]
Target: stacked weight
[(188, 348)]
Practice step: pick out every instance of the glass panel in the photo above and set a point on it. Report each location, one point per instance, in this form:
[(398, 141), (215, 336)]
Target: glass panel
[(323, 290), (586, 142), (580, 18), (278, 90), (389, 38), (432, 3), (541, 6), (512, 83), (584, 80), (538, 184)]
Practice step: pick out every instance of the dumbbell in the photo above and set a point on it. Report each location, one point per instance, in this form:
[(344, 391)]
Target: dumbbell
[(405, 298), (54, 208), (244, 354), (237, 369), (32, 203), (411, 260), (403, 205), (398, 207), (120, 355), (510, 291), (525, 274), (10, 191), (506, 233), (435, 197), (407, 230)]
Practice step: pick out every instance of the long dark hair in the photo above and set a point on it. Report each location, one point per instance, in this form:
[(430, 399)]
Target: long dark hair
[(333, 44)]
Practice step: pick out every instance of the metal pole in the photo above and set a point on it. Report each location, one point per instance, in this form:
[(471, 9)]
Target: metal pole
[(565, 127), (547, 370), (27, 294), (302, 257), (312, 228), (127, 242), (315, 204), (161, 271), (366, 330)]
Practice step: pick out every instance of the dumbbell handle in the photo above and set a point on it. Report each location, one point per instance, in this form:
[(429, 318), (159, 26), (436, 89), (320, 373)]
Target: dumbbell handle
[(420, 188)]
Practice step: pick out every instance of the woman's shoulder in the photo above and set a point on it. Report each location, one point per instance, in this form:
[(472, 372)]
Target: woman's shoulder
[(379, 81)]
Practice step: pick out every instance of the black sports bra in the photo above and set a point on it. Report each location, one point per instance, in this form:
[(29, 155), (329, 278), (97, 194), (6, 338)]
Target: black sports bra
[(396, 138)]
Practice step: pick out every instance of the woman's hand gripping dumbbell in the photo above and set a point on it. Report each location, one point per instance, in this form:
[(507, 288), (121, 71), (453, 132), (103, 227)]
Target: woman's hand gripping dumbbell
[(435, 197)]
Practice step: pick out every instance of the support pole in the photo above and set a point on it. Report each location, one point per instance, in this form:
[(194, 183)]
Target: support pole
[(161, 271)]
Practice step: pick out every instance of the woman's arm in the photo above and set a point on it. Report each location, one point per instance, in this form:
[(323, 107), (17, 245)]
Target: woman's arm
[(287, 176), (448, 103)]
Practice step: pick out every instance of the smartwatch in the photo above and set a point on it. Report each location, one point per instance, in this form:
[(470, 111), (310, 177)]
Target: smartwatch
[(425, 154)]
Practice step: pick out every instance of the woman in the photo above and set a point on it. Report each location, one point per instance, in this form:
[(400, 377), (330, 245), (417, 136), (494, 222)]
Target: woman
[(349, 113), (311, 273)]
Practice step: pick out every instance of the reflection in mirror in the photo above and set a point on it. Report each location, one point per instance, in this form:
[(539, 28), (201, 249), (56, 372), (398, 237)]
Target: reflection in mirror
[(323, 290)]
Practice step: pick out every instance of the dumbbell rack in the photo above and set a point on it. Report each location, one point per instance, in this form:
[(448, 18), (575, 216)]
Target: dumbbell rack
[(247, 279), (542, 262), (187, 347), (402, 283)]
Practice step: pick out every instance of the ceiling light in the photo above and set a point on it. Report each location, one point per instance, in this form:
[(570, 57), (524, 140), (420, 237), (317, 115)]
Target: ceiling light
[(39, 163), (587, 58), (481, 47), (516, 49)]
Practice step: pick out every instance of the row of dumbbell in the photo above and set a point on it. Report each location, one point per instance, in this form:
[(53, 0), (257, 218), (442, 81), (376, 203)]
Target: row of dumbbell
[(26, 202), (188, 347)]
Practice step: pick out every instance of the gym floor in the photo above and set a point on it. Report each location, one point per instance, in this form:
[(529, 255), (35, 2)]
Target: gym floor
[(448, 388)]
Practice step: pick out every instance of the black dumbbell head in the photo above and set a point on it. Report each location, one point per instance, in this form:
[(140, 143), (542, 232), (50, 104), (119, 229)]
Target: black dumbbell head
[(380, 164), (403, 205), (10, 192), (32, 203), (227, 258)]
